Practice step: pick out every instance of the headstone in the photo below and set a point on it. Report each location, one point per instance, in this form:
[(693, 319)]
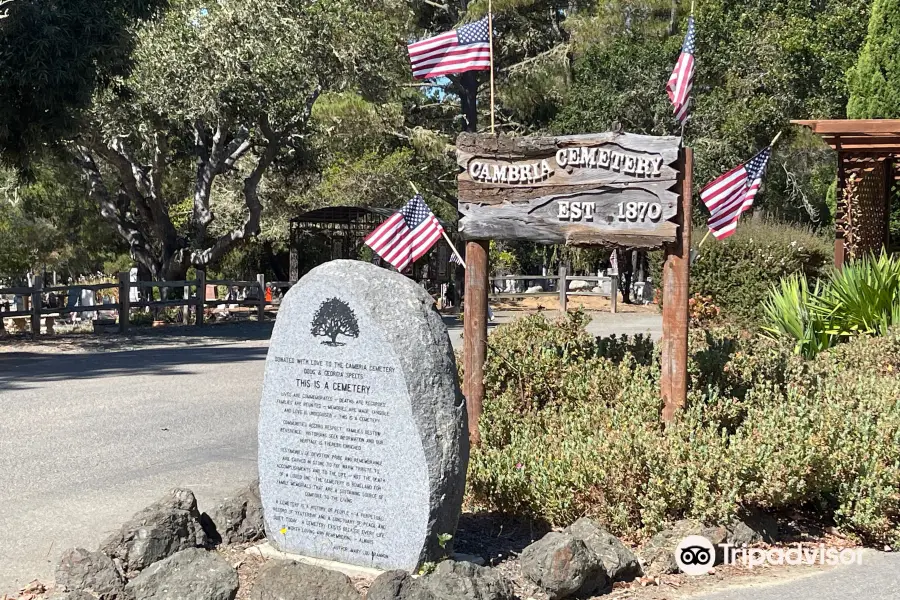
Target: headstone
[(133, 290), (88, 299), (363, 444)]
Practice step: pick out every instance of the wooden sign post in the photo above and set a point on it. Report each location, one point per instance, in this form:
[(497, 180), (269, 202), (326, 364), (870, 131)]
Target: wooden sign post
[(606, 189)]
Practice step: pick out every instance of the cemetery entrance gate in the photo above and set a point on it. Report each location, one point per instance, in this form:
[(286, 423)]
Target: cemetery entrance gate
[(607, 189)]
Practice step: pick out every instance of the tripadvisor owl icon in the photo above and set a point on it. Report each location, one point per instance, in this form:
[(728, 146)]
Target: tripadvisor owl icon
[(334, 317)]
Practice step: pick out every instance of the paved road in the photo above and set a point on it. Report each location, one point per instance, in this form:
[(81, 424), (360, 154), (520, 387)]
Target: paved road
[(86, 440), (877, 578)]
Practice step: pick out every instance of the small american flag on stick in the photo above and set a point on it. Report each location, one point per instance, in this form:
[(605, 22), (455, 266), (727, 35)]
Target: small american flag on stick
[(407, 235), (730, 195), (465, 49), (682, 79)]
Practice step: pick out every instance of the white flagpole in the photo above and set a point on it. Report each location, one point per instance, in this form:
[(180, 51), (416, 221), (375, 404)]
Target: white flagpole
[(444, 233), (491, 41)]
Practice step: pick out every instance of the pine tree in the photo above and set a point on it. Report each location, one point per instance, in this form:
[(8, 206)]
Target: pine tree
[(875, 81)]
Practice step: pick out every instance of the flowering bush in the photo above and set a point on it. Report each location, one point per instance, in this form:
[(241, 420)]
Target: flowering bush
[(570, 430), (703, 310)]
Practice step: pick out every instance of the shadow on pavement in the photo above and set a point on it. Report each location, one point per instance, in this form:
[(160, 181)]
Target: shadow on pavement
[(19, 369)]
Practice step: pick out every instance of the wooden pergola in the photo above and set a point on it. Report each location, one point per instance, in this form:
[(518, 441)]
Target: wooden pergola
[(868, 160)]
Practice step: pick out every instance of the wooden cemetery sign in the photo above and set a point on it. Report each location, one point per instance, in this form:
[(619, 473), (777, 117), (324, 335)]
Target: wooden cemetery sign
[(612, 189), (605, 189)]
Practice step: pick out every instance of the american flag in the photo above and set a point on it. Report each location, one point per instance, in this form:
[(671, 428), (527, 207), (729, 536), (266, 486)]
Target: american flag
[(731, 194), (682, 79), (407, 235), (455, 259), (465, 49)]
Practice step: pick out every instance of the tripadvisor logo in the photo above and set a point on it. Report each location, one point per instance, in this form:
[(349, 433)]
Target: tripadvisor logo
[(696, 555), (334, 317)]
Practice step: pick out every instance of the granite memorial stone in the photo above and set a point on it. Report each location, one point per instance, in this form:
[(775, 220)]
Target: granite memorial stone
[(363, 444)]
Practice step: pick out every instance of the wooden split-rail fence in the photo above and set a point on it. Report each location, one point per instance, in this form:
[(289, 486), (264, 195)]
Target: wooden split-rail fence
[(194, 296), (560, 287)]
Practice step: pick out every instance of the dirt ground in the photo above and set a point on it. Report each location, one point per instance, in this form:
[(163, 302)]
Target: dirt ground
[(592, 303)]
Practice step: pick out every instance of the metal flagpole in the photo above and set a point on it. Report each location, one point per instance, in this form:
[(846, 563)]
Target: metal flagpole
[(444, 233), (491, 41)]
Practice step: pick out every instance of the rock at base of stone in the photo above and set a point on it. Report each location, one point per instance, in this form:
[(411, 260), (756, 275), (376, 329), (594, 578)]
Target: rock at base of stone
[(397, 585), (192, 574), (465, 581), (167, 526), (450, 581), (563, 566), (80, 570), (289, 580), (619, 561), (236, 519), (658, 555), (753, 527), (71, 596)]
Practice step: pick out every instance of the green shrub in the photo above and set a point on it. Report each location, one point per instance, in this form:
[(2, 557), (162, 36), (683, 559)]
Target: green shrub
[(569, 430), (737, 273)]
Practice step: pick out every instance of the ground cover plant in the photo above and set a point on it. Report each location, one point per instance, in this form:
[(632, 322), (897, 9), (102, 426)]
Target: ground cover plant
[(571, 427)]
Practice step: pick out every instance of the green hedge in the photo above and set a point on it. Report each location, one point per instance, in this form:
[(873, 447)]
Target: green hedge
[(739, 272), (571, 427)]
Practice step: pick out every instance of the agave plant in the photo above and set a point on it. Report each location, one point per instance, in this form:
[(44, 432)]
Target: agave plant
[(863, 297), (789, 315)]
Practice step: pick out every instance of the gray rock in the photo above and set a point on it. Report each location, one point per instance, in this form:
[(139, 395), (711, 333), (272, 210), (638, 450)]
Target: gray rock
[(80, 570), (71, 596), (237, 518), (619, 561), (191, 574), (563, 566), (398, 585), (753, 527), (165, 527), (658, 555), (389, 447), (289, 580), (465, 581)]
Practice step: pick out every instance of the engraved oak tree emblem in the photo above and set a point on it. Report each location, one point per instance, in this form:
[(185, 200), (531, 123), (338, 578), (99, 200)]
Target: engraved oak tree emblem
[(334, 317)]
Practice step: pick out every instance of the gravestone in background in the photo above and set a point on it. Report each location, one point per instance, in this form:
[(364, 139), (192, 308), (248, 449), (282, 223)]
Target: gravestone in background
[(363, 444)]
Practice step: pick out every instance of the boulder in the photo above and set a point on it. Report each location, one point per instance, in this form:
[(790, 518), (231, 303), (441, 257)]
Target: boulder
[(387, 330), (534, 289), (752, 527), (398, 585), (619, 561), (658, 555), (167, 526), (71, 596), (465, 581), (236, 519), (80, 570), (563, 566), (192, 574), (289, 580), (451, 580)]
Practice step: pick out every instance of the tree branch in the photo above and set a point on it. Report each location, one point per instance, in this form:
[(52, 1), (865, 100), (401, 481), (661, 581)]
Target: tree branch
[(112, 211)]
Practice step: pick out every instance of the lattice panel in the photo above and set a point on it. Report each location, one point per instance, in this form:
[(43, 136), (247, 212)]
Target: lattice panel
[(864, 211)]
